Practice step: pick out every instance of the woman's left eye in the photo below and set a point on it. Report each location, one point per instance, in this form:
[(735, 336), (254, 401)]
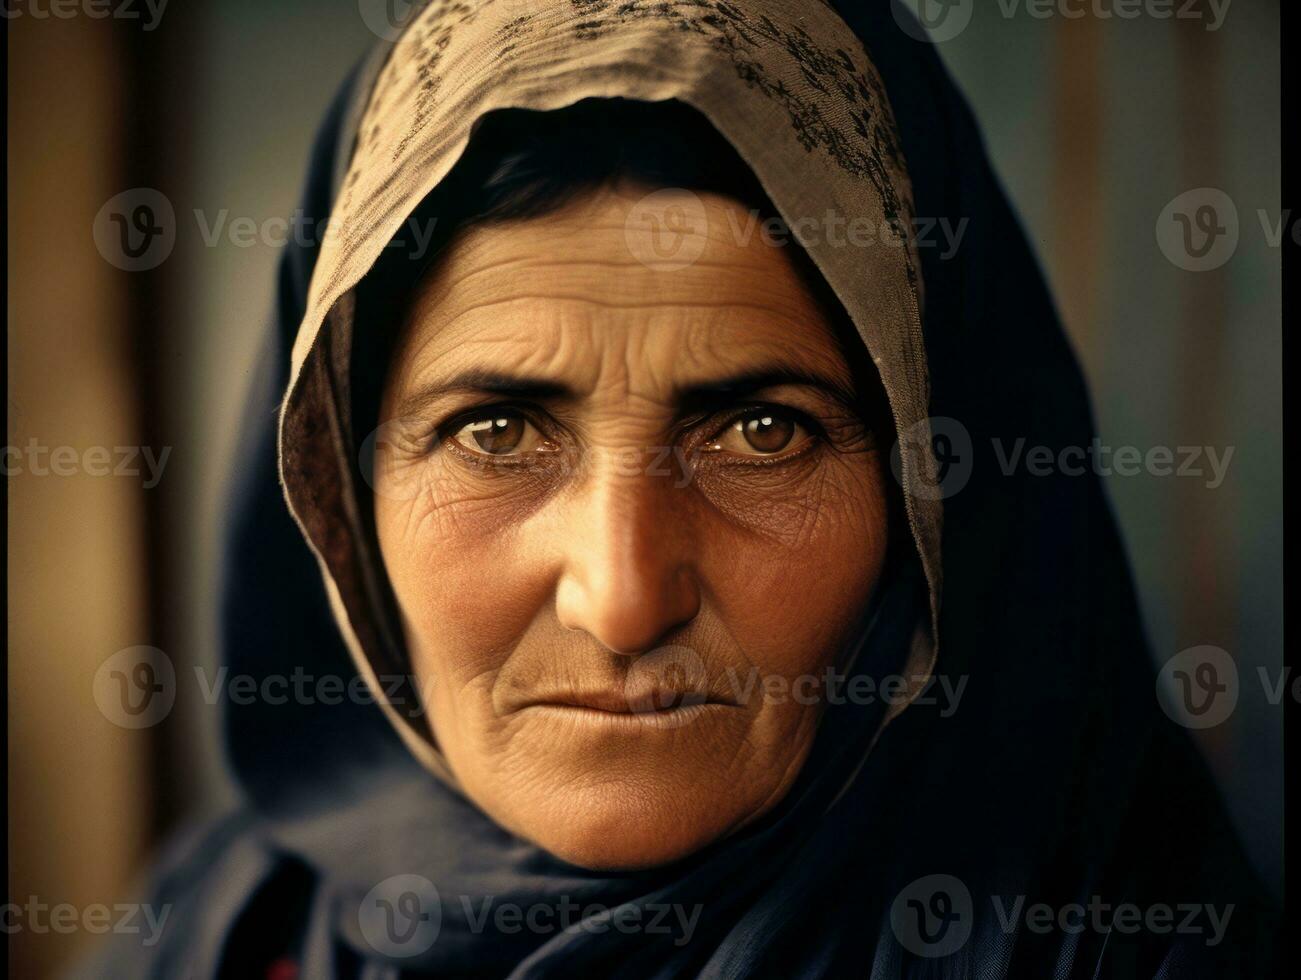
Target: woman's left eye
[(762, 432), (500, 434)]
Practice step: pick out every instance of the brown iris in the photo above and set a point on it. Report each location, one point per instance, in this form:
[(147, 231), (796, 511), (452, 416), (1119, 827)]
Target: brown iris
[(497, 436), (767, 432)]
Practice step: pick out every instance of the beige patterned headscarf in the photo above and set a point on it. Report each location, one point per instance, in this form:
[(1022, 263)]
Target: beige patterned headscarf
[(784, 81)]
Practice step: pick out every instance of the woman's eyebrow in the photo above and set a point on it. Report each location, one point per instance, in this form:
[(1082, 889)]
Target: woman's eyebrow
[(694, 396), (481, 381), (702, 394)]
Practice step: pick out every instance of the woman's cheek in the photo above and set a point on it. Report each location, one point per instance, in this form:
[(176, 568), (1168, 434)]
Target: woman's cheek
[(462, 502), (458, 557), (792, 558), (800, 505)]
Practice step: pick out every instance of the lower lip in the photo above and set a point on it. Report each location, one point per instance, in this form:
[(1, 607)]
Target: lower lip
[(631, 720)]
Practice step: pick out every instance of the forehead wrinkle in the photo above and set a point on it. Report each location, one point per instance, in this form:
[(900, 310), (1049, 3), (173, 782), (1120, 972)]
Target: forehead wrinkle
[(759, 274), (726, 346), (646, 359), (670, 302), (458, 326), (776, 286), (758, 291)]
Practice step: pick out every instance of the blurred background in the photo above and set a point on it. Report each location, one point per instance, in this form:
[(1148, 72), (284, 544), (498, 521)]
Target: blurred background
[(1095, 122)]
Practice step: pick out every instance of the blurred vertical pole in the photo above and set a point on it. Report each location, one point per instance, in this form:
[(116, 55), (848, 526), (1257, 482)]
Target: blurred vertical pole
[(1292, 224), (158, 73), (1077, 141), (78, 784), (1207, 613)]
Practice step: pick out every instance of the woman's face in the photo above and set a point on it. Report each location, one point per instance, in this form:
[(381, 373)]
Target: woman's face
[(630, 513)]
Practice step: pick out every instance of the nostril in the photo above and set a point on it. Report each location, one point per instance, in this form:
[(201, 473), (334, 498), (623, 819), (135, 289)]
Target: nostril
[(631, 615)]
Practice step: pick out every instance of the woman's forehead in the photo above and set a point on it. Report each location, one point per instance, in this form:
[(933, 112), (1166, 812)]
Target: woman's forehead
[(567, 291)]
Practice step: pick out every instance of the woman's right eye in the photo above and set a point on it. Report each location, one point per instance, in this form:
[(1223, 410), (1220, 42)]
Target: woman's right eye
[(501, 433)]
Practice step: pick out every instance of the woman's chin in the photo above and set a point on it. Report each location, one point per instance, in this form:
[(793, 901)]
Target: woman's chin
[(618, 792), (614, 822), (624, 838)]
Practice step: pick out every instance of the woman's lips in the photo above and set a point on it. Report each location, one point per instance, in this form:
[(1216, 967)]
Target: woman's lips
[(631, 702), (626, 720), (617, 702)]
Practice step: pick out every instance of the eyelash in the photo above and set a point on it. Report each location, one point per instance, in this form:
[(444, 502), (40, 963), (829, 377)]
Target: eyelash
[(443, 434)]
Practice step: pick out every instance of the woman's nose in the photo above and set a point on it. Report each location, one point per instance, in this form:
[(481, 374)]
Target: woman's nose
[(628, 577)]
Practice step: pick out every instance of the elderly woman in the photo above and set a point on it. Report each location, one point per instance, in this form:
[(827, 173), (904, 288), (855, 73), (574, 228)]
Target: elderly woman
[(682, 619)]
